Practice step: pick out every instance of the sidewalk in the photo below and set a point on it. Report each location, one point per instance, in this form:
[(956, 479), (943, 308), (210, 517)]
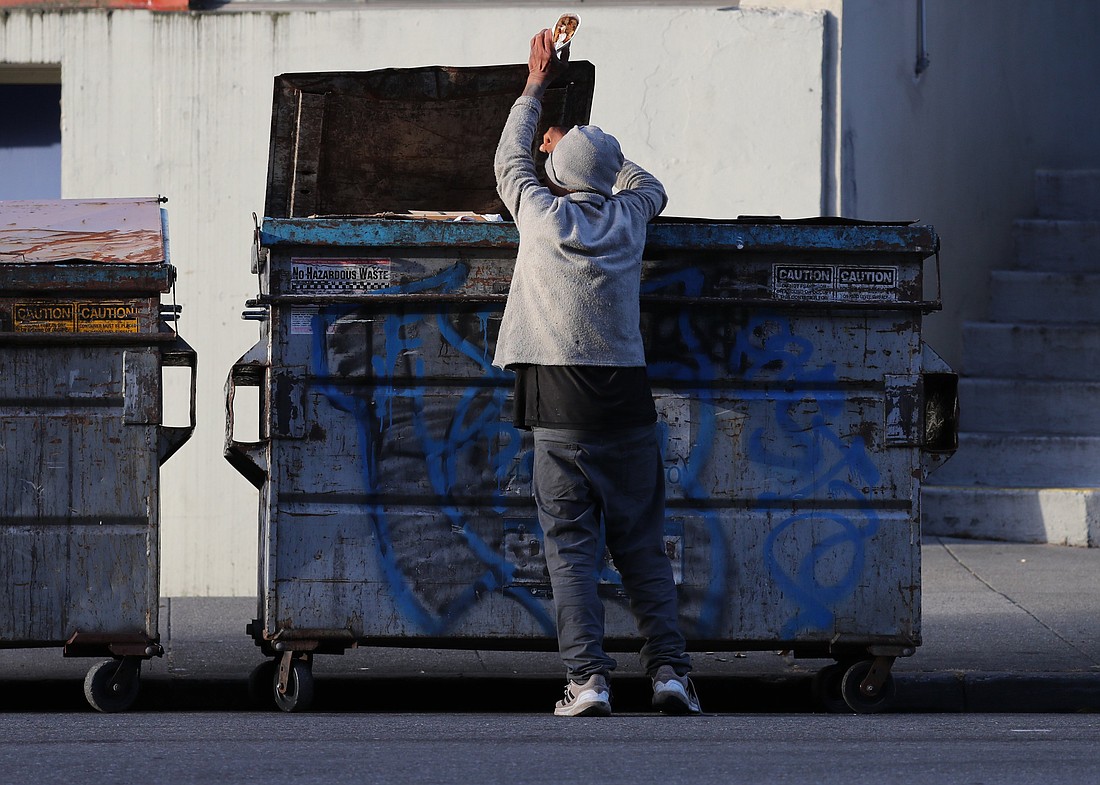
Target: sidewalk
[(1006, 628)]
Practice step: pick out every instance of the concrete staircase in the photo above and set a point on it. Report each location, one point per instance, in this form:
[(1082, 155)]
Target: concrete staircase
[(1028, 464)]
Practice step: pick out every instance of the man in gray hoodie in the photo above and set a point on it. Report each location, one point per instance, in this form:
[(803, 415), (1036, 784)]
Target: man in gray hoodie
[(571, 334)]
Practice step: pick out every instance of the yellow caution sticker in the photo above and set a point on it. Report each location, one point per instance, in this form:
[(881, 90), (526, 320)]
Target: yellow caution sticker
[(80, 316), (44, 317)]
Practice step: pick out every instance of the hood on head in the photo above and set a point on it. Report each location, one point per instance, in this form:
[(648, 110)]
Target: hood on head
[(585, 159)]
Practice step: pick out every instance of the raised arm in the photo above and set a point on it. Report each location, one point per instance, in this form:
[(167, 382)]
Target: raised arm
[(513, 164), (636, 183)]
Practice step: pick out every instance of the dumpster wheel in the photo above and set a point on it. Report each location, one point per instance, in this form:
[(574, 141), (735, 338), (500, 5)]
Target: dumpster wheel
[(113, 685), (862, 686), (293, 682), (295, 694), (868, 687)]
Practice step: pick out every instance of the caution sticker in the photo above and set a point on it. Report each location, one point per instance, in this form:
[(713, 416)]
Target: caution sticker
[(106, 317), (44, 317), (867, 283), (338, 276), (835, 283), (80, 316), (803, 281)]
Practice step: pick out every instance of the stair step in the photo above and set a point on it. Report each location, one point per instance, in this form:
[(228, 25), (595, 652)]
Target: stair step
[(1038, 407), (1072, 194), (1048, 245), (1024, 296), (1031, 351), (1022, 461), (1059, 516)]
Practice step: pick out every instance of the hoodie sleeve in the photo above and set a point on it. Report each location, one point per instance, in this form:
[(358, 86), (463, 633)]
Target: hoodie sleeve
[(513, 164), (639, 186)]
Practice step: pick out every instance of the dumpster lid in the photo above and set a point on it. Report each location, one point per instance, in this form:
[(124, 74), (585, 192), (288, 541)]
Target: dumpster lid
[(399, 139), (119, 231)]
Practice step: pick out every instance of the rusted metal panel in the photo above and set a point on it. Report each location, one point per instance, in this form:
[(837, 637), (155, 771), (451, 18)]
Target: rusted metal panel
[(77, 535), (664, 234), (397, 503), (150, 5), (81, 438), (860, 265), (356, 143), (103, 231)]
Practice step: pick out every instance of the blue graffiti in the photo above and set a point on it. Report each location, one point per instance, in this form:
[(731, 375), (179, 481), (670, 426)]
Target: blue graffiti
[(795, 443), (476, 421), (795, 440), (808, 447)]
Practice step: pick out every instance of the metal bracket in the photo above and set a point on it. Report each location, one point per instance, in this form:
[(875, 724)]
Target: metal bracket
[(249, 458), (98, 644), (286, 661), (872, 683), (178, 354)]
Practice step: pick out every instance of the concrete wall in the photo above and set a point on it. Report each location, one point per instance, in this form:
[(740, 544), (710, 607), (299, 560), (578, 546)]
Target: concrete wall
[(1011, 88), (726, 106), (791, 107)]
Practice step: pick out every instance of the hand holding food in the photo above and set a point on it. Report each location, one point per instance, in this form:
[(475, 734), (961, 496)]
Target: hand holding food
[(544, 64), (564, 30)]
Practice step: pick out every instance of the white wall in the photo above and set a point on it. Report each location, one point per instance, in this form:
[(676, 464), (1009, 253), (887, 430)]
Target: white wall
[(724, 105), (1012, 87)]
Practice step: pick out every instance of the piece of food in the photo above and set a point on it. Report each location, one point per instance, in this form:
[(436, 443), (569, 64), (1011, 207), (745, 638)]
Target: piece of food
[(565, 28)]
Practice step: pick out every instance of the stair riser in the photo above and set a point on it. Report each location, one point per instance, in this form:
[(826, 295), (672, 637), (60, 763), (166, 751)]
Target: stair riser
[(1019, 407), (1008, 461), (1069, 195), (1044, 297), (1031, 352), (1057, 245), (1054, 516)]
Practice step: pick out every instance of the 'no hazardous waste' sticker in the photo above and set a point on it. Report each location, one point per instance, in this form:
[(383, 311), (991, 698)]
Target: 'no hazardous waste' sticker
[(342, 276)]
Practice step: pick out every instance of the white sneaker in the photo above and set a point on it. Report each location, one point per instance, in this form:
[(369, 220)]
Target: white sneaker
[(674, 694), (590, 699)]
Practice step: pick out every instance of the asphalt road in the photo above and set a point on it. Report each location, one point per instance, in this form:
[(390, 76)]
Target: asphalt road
[(485, 749)]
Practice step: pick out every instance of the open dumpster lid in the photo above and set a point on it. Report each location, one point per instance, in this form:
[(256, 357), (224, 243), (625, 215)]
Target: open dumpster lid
[(401, 139), (113, 231)]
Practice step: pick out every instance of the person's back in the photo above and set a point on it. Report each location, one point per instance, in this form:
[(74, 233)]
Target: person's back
[(579, 261)]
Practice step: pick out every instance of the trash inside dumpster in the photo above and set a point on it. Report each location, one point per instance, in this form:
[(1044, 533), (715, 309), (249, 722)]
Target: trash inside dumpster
[(799, 408), (83, 339)]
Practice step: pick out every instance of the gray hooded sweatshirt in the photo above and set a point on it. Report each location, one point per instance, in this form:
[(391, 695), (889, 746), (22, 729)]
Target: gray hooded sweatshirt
[(575, 287)]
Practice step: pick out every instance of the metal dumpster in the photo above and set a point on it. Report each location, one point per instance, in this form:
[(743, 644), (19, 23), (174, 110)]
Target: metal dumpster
[(800, 410), (83, 339)]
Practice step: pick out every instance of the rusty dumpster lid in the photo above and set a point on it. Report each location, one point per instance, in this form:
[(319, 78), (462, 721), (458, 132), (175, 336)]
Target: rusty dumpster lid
[(110, 231), (401, 139)]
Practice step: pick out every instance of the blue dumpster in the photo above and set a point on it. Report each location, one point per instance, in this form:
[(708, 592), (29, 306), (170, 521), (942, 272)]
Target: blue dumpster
[(800, 412)]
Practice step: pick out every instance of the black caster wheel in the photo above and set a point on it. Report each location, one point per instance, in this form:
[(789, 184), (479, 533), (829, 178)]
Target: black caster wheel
[(299, 687), (827, 688), (113, 685), (860, 701), (259, 685)]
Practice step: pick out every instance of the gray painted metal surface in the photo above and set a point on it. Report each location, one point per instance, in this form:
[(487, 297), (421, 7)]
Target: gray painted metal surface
[(82, 343), (798, 407)]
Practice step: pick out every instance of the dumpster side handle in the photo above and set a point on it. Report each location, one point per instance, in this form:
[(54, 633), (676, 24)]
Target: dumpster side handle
[(171, 437), (249, 458)]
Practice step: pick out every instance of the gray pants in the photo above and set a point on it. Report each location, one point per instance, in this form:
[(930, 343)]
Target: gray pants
[(583, 479)]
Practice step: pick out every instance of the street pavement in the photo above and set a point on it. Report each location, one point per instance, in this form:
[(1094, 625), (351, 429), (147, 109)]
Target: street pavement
[(1006, 628)]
